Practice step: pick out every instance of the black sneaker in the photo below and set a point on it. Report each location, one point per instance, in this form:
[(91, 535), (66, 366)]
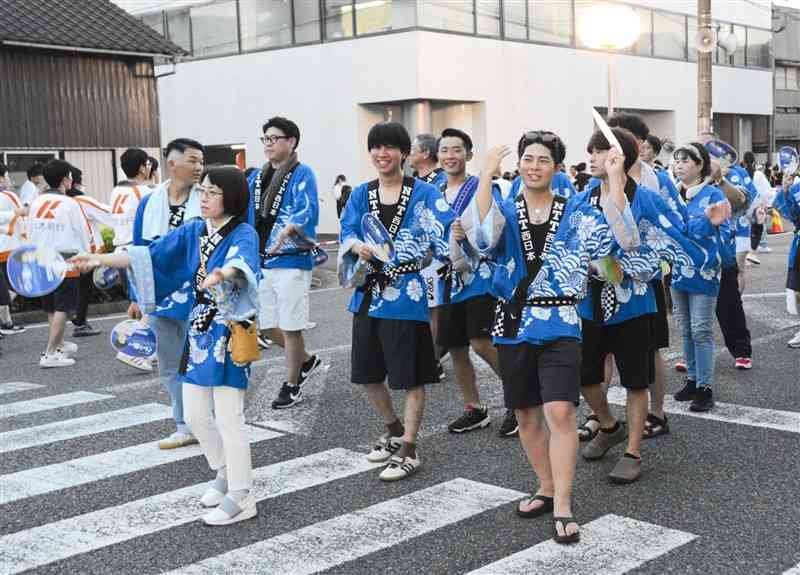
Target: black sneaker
[(263, 342), (288, 396), (688, 392), (510, 427), (308, 368), (703, 400), (11, 329), (473, 418), (85, 330)]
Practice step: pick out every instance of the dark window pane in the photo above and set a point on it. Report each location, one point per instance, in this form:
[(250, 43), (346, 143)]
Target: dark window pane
[(453, 15), (178, 26), (265, 24), (214, 29), (374, 16), (550, 21), (514, 14), (488, 17), (758, 45), (306, 21), (338, 19), (669, 35)]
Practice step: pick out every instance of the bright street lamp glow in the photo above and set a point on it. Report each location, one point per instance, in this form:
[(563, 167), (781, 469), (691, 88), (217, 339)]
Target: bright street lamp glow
[(608, 26)]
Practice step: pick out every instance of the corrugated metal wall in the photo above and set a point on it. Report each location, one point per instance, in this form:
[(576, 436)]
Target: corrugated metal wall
[(76, 100), (98, 171)]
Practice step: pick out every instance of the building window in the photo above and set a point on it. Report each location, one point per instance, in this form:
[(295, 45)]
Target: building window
[(739, 56), (338, 19), (214, 29), (644, 45), (780, 78), (265, 24), (669, 35), (155, 21), (306, 21), (515, 16), (374, 16), (550, 21), (758, 47), (179, 29), (792, 78), (451, 15), (488, 17)]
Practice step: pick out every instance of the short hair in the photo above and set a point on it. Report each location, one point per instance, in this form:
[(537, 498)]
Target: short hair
[(456, 133), (183, 144), (286, 126), (581, 167), (153, 166), (696, 152), (655, 143), (392, 134), (429, 143), (77, 175), (131, 160), (627, 141), (3, 169), (235, 192), (55, 171), (340, 178), (36, 169), (549, 140), (631, 122)]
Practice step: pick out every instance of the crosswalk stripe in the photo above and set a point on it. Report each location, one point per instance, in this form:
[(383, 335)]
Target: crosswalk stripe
[(82, 426), (61, 539), (49, 478), (50, 402), (610, 545), (359, 533), (727, 412), (793, 571), (15, 386)]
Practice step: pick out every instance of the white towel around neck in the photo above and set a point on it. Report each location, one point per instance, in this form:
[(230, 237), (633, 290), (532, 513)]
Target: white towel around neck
[(155, 220)]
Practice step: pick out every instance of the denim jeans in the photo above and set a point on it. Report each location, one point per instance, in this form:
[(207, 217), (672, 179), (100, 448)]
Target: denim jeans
[(171, 338), (695, 312)]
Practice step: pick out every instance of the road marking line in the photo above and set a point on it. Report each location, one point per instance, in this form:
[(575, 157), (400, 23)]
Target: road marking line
[(82, 426), (727, 412), (764, 295), (793, 571), (15, 386), (94, 319), (354, 535), (610, 545), (49, 478), (62, 539), (50, 402)]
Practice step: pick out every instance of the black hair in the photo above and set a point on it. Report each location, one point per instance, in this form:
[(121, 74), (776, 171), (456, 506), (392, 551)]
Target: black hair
[(655, 143), (456, 133), (286, 126), (36, 169), (627, 141), (581, 167), (549, 140), (3, 169), (430, 144), (235, 193), (392, 134), (132, 160), (55, 171), (340, 178), (183, 144), (153, 166), (631, 122), (697, 153), (77, 176), (749, 161)]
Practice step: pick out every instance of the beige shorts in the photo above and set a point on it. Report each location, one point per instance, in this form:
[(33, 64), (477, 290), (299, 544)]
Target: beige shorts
[(283, 298)]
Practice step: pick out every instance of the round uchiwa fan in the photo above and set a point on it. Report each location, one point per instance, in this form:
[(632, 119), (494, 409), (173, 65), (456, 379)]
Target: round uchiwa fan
[(134, 338), (319, 255), (788, 160), (35, 271), (105, 278), (723, 152), (377, 237)]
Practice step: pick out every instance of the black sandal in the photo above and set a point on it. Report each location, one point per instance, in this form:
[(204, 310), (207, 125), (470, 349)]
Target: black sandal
[(654, 426), (586, 433), (565, 539), (545, 507)]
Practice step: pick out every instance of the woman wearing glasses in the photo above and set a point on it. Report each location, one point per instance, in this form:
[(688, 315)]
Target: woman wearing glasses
[(218, 256)]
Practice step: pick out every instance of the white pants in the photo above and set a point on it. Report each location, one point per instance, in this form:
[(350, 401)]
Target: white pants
[(222, 437)]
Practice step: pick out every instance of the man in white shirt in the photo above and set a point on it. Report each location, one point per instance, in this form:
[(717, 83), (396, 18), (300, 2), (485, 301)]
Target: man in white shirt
[(10, 239), (33, 186)]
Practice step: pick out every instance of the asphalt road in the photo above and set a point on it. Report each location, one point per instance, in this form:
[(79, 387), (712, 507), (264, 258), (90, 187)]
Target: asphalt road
[(83, 490)]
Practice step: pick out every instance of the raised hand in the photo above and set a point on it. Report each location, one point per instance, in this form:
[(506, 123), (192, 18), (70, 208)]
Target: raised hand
[(615, 163), (494, 159), (719, 212)]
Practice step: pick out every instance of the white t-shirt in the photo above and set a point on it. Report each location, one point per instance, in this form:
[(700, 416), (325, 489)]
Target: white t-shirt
[(57, 221), (28, 192), (11, 234), (124, 202)]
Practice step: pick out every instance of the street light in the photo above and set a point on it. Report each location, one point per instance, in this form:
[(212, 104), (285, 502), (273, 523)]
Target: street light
[(608, 27)]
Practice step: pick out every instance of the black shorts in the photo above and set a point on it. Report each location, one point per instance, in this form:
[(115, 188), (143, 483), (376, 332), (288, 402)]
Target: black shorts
[(469, 319), (536, 374), (5, 297), (65, 298), (659, 325), (399, 349), (629, 341)]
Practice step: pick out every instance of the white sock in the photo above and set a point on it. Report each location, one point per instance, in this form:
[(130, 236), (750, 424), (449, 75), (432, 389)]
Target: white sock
[(5, 314), (239, 494)]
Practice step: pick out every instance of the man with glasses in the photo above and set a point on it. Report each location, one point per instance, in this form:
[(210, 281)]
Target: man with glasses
[(283, 197), (175, 201)]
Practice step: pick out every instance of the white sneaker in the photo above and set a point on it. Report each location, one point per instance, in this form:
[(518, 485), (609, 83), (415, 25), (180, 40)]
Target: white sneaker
[(384, 448), (176, 440), (752, 258), (230, 511), (69, 347), (765, 249), (212, 497), (141, 363), (400, 468), (795, 341), (56, 359)]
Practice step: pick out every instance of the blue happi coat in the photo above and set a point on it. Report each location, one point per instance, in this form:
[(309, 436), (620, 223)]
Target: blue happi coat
[(425, 225), (788, 204), (170, 263), (741, 218), (299, 206)]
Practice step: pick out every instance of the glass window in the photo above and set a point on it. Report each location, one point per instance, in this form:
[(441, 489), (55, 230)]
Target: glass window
[(214, 29), (453, 15), (488, 17), (644, 45), (178, 26), (741, 44), (155, 21), (381, 15), (338, 19), (306, 21), (516, 25), (669, 35), (758, 45), (792, 78), (780, 78), (550, 21), (265, 24)]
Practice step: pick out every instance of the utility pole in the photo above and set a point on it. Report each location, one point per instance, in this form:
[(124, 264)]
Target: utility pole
[(703, 71)]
